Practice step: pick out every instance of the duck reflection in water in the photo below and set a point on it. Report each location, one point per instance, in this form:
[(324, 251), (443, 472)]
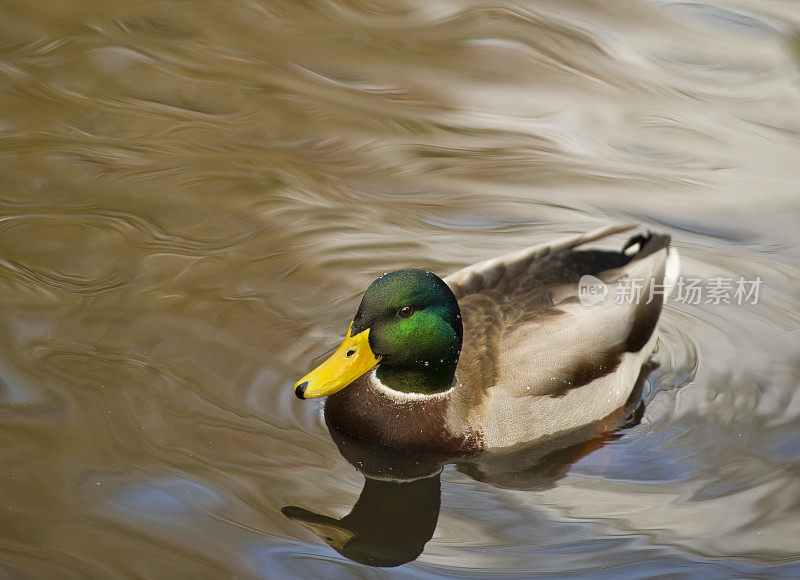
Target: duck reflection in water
[(397, 511), (388, 525)]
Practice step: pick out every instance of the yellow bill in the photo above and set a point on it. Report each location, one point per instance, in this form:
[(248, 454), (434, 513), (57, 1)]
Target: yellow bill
[(352, 359)]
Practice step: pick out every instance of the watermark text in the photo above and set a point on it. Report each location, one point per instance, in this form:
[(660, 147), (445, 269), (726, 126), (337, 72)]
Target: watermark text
[(627, 290)]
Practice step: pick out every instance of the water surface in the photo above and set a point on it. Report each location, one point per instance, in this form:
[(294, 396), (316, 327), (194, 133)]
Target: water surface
[(194, 195)]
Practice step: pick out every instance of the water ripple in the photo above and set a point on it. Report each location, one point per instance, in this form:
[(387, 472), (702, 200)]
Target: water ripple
[(194, 197)]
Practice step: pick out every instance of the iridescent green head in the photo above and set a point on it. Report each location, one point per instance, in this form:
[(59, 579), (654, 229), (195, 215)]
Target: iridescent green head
[(409, 323), (415, 327)]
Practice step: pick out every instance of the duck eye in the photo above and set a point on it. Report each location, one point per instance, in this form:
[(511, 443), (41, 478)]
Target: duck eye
[(405, 312)]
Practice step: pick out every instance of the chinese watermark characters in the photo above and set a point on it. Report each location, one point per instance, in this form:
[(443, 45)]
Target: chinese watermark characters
[(718, 290)]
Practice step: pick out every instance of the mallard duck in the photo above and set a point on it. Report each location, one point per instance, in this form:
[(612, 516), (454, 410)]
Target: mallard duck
[(499, 354)]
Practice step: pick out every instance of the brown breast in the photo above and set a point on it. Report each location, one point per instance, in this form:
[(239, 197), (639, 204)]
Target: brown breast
[(365, 412)]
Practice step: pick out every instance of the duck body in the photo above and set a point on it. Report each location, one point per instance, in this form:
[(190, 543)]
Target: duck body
[(527, 360)]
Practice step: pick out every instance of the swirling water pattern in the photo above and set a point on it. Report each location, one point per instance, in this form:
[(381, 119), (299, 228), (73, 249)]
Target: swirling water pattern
[(193, 196)]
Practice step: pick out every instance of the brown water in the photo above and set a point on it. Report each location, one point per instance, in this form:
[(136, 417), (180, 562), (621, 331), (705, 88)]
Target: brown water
[(193, 196)]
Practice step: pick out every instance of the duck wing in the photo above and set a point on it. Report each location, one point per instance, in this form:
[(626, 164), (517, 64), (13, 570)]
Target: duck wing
[(536, 361)]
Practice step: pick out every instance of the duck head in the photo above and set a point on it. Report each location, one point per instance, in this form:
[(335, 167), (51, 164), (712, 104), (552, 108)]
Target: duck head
[(409, 326)]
